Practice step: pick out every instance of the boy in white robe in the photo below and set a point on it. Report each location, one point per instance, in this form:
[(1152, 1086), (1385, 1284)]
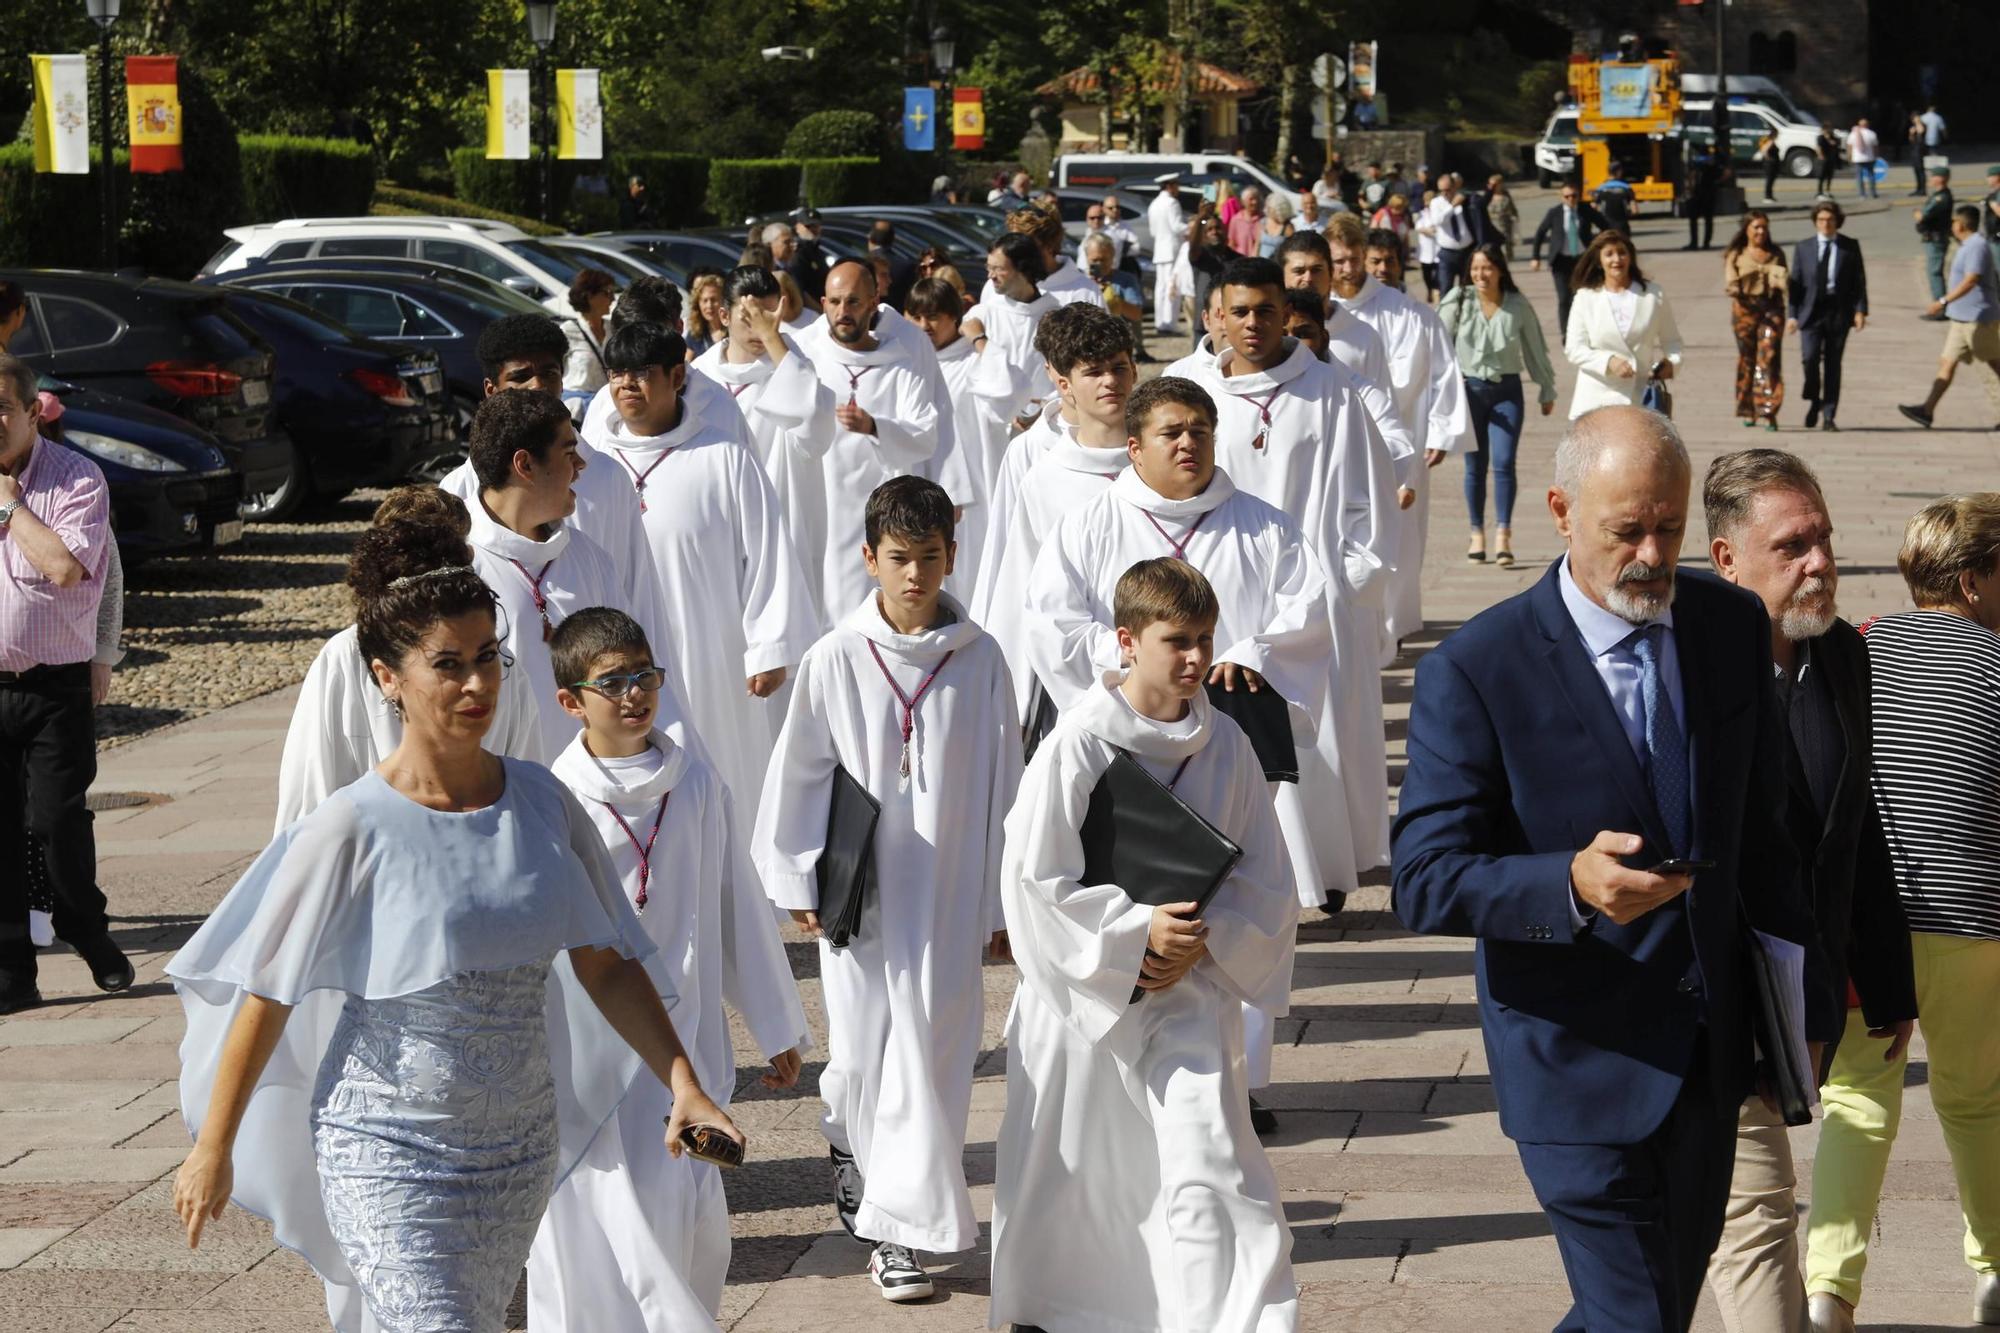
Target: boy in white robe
[(635, 1241), (965, 467), (887, 423), (911, 699), (1090, 353), (1272, 632), (1012, 372), (736, 596), (1131, 1192), (788, 411), (1307, 265), (1293, 430), (342, 726)]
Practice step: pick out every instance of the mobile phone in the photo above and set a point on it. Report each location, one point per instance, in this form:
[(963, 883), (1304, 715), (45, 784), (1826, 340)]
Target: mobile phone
[(706, 1143), (1679, 866)]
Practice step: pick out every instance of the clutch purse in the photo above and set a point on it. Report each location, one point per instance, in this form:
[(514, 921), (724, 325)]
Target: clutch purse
[(706, 1143), (846, 867), (1266, 719)]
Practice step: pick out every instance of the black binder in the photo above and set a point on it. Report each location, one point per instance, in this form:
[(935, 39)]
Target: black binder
[(1041, 721), (1267, 720), (1785, 1061), (1140, 836), (846, 868)]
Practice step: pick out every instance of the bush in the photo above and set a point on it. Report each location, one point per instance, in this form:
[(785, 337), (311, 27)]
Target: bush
[(175, 219), (744, 187), (676, 185), (834, 181), (835, 134), (50, 221), (512, 185), (290, 176), (395, 201)]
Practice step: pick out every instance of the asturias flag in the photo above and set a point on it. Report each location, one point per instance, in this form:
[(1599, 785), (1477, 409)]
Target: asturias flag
[(920, 119), (153, 100)]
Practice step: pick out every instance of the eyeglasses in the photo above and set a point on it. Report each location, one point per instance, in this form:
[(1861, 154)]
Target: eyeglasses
[(617, 687)]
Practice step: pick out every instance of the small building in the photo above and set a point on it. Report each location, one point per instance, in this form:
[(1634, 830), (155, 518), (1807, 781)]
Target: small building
[(1218, 93)]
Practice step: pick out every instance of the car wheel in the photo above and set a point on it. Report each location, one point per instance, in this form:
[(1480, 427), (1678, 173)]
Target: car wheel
[(1801, 163), (279, 505), (1548, 179)]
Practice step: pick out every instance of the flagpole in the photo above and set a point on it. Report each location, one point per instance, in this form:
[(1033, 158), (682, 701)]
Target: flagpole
[(104, 15)]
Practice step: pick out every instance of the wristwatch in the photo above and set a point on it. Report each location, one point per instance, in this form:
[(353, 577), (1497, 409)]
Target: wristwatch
[(7, 512)]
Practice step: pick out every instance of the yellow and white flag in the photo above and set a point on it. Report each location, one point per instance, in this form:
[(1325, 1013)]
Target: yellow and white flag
[(62, 115), (507, 113), (579, 115)]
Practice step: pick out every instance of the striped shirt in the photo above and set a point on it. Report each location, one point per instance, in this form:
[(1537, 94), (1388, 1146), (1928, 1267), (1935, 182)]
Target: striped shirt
[(1937, 767), (41, 624)]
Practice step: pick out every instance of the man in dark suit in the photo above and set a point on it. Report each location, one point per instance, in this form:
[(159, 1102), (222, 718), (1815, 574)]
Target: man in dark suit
[(1769, 533), (1568, 229), (902, 273), (1627, 711), (1829, 298)]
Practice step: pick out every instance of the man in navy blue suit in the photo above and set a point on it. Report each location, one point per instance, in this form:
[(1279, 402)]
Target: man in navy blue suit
[(1571, 751), (1829, 298)]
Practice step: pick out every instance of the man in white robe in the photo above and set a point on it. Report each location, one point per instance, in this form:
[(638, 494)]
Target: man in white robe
[(967, 468), (886, 418), (736, 596), (1294, 432), (1307, 265), (911, 699), (1167, 221), (1130, 1191)]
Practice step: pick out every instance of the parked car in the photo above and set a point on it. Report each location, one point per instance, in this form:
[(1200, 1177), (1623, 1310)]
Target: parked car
[(1099, 170), (1555, 151), (686, 250), (172, 488), (163, 344), (360, 412), (623, 260), (1798, 144), (1756, 88)]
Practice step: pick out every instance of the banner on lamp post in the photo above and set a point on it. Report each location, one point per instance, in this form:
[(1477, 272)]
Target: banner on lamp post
[(62, 115), (507, 113), (968, 118), (920, 119), (153, 107), (579, 115)]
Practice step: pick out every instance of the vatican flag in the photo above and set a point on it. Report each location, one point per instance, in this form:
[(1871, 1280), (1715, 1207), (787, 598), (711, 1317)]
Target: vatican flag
[(507, 112), (62, 115), (579, 115)]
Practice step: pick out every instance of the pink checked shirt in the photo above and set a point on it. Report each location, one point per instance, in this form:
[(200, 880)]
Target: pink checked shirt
[(41, 624)]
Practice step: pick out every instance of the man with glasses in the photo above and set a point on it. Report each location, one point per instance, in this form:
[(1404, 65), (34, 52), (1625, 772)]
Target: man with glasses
[(1567, 228), (55, 537)]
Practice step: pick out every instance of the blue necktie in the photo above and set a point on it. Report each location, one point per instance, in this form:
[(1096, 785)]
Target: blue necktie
[(1666, 747)]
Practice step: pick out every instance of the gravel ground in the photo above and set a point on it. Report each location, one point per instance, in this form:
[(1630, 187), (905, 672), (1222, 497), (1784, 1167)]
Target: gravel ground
[(206, 631)]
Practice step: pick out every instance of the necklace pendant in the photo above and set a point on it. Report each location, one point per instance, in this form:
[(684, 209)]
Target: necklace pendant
[(1258, 443), (548, 630), (903, 771)]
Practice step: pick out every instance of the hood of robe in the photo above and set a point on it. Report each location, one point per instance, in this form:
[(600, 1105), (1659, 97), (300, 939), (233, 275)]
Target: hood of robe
[(1105, 714), (693, 428), (1131, 488), (712, 364), (1260, 382), (866, 620), (582, 774), (488, 534)]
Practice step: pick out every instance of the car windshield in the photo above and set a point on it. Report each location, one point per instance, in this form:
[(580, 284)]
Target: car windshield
[(299, 318), (987, 225), (619, 266), (1562, 129), (556, 263)]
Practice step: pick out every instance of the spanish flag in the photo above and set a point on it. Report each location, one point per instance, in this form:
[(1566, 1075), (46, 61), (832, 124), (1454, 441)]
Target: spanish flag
[(62, 115), (579, 115), (153, 105), (968, 118), (507, 113)]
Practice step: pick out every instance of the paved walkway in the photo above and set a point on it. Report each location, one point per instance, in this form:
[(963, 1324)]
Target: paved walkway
[(1407, 1206)]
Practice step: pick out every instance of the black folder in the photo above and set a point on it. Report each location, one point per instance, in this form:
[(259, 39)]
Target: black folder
[(1140, 836), (1267, 720), (846, 868), (1786, 1063), (1041, 721)]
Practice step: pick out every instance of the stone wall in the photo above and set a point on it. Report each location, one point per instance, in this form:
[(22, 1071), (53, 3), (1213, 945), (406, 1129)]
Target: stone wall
[(1827, 46), (1412, 146)]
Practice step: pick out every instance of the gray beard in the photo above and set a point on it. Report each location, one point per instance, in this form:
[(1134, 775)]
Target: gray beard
[(1637, 607), (1799, 621)]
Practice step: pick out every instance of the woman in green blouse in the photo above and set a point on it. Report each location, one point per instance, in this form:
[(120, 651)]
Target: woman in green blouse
[(1496, 336)]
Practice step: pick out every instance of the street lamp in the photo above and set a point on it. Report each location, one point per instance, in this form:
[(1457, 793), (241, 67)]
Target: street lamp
[(943, 51), (104, 13), (943, 48), (542, 32)]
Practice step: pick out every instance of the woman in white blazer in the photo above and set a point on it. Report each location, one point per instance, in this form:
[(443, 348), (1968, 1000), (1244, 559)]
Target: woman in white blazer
[(1620, 327)]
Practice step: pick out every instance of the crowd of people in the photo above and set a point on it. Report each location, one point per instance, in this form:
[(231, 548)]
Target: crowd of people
[(887, 615)]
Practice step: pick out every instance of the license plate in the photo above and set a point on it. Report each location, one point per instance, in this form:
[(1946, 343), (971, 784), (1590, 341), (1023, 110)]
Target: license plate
[(256, 393), (433, 382), (229, 533)]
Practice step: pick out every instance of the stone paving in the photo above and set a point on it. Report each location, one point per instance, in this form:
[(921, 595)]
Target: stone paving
[(1407, 1207)]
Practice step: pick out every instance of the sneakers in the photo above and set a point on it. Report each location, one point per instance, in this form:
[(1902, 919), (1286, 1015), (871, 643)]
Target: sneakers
[(1916, 414), (896, 1271), (846, 1189)]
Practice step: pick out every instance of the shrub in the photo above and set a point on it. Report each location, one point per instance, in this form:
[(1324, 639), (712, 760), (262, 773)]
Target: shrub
[(835, 134), (395, 201), (290, 176), (175, 219), (744, 187), (834, 181), (512, 185), (676, 185), (50, 221)]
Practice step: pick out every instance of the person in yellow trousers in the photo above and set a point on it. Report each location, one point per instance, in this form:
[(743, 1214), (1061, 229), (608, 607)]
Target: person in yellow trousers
[(1936, 698)]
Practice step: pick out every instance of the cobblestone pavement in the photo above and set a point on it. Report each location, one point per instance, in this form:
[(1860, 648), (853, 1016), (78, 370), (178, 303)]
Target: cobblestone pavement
[(1407, 1206)]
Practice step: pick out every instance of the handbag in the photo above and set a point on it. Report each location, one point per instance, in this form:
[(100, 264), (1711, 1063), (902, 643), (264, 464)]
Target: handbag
[(1657, 395)]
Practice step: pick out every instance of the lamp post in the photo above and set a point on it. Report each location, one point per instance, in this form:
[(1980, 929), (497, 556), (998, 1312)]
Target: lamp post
[(542, 32), (944, 51), (104, 13)]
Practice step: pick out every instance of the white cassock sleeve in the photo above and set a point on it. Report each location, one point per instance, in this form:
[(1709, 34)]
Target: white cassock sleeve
[(1448, 415), (1293, 647), (779, 622), (909, 433), (1365, 492), (1005, 785), (325, 748), (517, 721), (1377, 389), (756, 975), (1068, 644), (798, 402), (1253, 918), (798, 791)]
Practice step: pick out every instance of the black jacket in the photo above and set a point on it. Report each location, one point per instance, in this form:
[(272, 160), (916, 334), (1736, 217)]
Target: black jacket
[(1844, 859), (1935, 224), (1588, 223), (1808, 289)]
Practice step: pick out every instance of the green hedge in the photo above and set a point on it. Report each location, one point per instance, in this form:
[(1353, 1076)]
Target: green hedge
[(49, 221), (743, 187), (290, 176), (835, 134), (393, 200), (511, 185), (676, 185), (834, 181)]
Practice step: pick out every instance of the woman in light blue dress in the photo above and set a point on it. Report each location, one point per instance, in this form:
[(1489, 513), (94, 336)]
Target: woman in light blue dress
[(418, 1006)]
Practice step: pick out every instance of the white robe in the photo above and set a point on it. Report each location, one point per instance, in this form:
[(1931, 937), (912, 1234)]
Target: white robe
[(966, 470), (904, 1000), (1430, 394), (636, 1241), (1011, 373), (735, 594), (789, 416), (342, 727), (1358, 347), (1068, 284), (1131, 1192), (888, 386), (1324, 463)]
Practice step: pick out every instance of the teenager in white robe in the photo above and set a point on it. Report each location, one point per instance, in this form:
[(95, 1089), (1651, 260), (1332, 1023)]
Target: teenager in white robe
[(635, 1241), (1293, 431), (735, 594), (1012, 372), (787, 410), (1306, 262), (886, 419), (904, 999), (1131, 1192)]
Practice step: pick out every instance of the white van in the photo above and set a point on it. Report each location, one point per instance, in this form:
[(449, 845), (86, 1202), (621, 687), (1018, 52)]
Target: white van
[(1753, 88), (1092, 171)]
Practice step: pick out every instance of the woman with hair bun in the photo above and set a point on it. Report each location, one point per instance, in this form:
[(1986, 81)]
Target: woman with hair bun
[(405, 1020), (342, 725)]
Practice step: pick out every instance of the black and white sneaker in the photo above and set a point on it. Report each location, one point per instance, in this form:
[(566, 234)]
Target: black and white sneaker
[(846, 1189), (899, 1275)]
